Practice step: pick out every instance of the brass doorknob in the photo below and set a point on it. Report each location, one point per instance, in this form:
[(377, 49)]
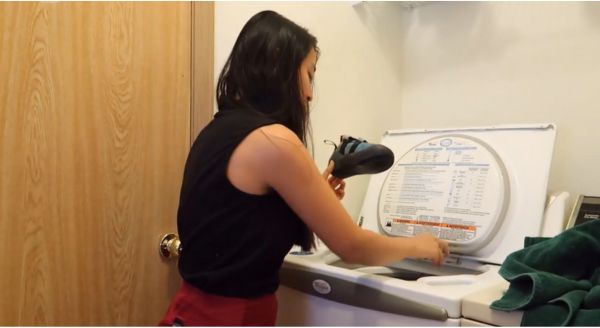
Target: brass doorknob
[(169, 246)]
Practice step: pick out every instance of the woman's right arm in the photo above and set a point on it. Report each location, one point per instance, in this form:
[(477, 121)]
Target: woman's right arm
[(284, 164)]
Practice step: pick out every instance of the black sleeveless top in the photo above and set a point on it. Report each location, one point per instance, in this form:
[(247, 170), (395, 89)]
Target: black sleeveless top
[(233, 243)]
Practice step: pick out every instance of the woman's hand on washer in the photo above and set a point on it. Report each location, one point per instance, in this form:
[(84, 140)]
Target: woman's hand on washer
[(430, 247)]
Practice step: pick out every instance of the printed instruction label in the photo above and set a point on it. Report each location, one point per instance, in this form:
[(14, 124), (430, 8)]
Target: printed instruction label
[(452, 187)]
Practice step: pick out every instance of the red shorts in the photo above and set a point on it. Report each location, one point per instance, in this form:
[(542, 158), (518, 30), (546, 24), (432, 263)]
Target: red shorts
[(192, 307)]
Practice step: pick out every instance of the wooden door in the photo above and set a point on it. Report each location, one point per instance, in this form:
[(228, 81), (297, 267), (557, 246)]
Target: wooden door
[(95, 128)]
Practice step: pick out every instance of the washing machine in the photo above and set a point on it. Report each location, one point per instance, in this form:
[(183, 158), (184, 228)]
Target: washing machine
[(483, 189), (476, 311)]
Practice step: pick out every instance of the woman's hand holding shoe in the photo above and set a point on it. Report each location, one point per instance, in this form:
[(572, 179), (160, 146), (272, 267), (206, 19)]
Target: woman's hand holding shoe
[(337, 185)]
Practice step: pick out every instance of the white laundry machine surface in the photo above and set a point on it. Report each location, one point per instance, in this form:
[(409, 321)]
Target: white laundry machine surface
[(482, 189), (476, 309)]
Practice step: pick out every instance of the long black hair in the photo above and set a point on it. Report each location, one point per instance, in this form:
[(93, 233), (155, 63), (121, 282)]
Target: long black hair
[(261, 74)]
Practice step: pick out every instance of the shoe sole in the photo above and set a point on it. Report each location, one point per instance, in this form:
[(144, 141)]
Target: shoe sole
[(373, 160)]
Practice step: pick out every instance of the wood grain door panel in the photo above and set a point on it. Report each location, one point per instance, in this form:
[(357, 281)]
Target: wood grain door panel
[(95, 128)]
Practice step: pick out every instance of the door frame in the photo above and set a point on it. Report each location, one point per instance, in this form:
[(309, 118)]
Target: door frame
[(202, 66)]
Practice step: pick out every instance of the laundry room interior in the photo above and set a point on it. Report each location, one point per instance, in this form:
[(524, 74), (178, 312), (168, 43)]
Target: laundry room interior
[(438, 64), (486, 112), (428, 66)]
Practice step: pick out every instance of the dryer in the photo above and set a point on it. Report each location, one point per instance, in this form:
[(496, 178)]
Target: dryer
[(482, 189)]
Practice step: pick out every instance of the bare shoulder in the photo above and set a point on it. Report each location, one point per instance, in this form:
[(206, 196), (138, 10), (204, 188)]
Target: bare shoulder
[(266, 152), (278, 132), (275, 141), (277, 148), (270, 142)]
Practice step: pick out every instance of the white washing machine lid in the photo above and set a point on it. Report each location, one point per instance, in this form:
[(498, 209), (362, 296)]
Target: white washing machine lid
[(482, 189)]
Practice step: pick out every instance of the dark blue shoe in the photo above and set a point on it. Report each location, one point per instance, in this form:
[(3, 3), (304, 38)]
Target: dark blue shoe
[(356, 156)]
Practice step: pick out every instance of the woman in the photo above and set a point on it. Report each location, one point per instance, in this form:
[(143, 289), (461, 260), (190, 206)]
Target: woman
[(251, 190)]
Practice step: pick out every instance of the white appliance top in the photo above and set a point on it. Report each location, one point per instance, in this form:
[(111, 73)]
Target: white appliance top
[(482, 189), (476, 307)]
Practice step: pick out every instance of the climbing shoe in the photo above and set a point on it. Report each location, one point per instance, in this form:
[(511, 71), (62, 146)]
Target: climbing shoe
[(356, 156)]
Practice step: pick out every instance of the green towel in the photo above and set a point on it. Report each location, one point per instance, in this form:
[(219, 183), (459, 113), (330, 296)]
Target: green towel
[(555, 281)]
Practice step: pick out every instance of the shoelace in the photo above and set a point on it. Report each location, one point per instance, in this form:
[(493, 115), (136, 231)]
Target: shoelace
[(346, 140), (329, 142)]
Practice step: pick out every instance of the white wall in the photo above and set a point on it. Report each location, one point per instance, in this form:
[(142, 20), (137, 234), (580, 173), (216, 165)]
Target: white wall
[(487, 63), (445, 64)]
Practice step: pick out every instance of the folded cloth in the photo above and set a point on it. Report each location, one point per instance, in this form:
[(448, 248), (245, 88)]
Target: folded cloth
[(555, 281)]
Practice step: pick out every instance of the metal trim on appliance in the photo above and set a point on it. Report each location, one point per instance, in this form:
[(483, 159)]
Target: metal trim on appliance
[(526, 127), (346, 292)]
